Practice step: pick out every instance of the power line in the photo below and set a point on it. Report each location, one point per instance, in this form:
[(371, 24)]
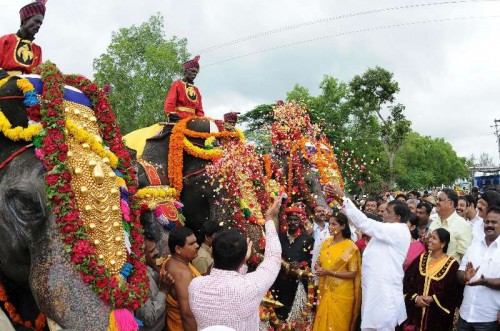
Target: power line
[(385, 27), (329, 19)]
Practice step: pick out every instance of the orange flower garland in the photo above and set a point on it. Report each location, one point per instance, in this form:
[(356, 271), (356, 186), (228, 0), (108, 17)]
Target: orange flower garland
[(267, 166), (178, 146), (16, 318)]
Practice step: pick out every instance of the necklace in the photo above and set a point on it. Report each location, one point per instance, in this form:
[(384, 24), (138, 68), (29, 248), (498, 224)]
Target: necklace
[(16, 318)]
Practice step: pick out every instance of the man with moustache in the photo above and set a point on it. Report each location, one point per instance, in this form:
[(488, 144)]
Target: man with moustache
[(423, 213), (381, 210), (462, 206), (480, 272), (296, 247), (460, 230), (383, 306), (486, 200), (184, 249), (18, 54), (370, 205)]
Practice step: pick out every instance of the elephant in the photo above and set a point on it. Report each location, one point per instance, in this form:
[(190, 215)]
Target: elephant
[(198, 195), (35, 267)]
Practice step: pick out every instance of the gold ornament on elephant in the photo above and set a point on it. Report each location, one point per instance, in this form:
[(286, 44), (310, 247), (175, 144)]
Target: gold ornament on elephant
[(96, 188)]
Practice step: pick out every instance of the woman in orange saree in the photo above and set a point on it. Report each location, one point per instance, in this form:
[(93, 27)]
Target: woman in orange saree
[(339, 271)]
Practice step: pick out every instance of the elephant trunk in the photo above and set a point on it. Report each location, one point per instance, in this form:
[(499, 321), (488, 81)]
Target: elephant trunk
[(59, 289)]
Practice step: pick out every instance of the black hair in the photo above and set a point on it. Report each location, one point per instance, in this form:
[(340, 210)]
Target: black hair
[(374, 199), (374, 217), (229, 249), (471, 199), (491, 197), (209, 228), (413, 219), (427, 206), (493, 209), (401, 209), (416, 193), (475, 189), (177, 237), (452, 195), (342, 220), (149, 225), (462, 197), (401, 195), (444, 237)]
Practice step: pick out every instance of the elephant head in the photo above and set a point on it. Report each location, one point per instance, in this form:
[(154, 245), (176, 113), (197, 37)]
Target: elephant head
[(50, 257)]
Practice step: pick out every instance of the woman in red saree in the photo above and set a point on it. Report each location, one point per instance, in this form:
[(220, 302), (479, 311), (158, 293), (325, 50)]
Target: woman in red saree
[(431, 288), (339, 271)]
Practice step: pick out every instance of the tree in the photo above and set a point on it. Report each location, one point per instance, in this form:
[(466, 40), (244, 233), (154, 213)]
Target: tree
[(371, 94), (424, 162), (140, 65)]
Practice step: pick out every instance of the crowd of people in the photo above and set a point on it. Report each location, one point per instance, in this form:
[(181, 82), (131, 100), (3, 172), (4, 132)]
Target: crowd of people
[(374, 268), (390, 262)]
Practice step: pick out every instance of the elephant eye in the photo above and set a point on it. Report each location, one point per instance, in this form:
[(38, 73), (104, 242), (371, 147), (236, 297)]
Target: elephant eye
[(26, 206)]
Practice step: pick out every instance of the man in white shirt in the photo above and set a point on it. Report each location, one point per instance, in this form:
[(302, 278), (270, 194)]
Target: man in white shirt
[(480, 272), (320, 232), (383, 306), (486, 200)]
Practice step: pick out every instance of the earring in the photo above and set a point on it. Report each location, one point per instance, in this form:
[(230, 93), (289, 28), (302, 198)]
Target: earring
[(335, 232)]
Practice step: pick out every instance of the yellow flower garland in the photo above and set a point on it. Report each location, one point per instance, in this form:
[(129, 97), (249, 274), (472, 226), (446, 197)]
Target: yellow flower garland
[(156, 192), (18, 133), (205, 154), (83, 136)]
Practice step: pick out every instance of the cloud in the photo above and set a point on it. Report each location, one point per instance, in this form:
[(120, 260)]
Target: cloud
[(448, 71)]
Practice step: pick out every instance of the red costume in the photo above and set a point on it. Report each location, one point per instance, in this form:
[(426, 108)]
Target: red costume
[(184, 98), (18, 54)]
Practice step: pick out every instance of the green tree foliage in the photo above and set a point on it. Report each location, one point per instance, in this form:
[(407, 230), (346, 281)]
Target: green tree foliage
[(371, 94), (424, 161), (370, 134), (140, 65)]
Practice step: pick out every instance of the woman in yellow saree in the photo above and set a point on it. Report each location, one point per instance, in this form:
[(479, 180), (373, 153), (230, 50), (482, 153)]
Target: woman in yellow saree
[(339, 271)]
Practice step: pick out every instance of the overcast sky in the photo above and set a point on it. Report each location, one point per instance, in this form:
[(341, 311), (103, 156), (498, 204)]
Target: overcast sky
[(448, 68)]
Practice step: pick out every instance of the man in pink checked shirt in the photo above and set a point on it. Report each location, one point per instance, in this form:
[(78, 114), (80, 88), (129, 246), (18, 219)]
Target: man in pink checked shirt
[(229, 296)]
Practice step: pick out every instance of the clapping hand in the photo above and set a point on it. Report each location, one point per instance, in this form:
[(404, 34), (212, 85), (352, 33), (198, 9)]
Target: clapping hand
[(470, 272)]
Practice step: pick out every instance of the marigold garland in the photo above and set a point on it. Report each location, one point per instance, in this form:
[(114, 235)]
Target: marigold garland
[(16, 318), (134, 292), (156, 192), (20, 133), (179, 143), (83, 136)]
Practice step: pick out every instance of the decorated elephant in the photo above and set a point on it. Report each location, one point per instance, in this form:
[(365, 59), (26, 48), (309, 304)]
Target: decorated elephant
[(71, 244)]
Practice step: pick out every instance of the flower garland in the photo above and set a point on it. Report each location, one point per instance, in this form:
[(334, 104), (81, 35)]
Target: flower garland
[(240, 174), (16, 318), (30, 99), (83, 136), (129, 294), (179, 143)]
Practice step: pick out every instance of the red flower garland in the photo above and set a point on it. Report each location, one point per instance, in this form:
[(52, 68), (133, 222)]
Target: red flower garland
[(135, 291)]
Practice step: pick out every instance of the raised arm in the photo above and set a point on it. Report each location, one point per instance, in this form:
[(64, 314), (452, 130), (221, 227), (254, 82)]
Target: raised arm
[(267, 271)]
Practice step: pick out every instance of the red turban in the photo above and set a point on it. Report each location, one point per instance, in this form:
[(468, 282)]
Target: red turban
[(295, 209), (231, 117), (192, 63), (35, 8)]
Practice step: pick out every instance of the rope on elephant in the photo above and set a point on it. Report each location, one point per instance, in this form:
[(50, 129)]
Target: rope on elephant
[(14, 155)]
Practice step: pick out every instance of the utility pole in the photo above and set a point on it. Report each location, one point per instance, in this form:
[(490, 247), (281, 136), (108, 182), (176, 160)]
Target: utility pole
[(497, 133)]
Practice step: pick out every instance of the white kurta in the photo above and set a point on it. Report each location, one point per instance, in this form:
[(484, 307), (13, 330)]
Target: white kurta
[(382, 273)]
